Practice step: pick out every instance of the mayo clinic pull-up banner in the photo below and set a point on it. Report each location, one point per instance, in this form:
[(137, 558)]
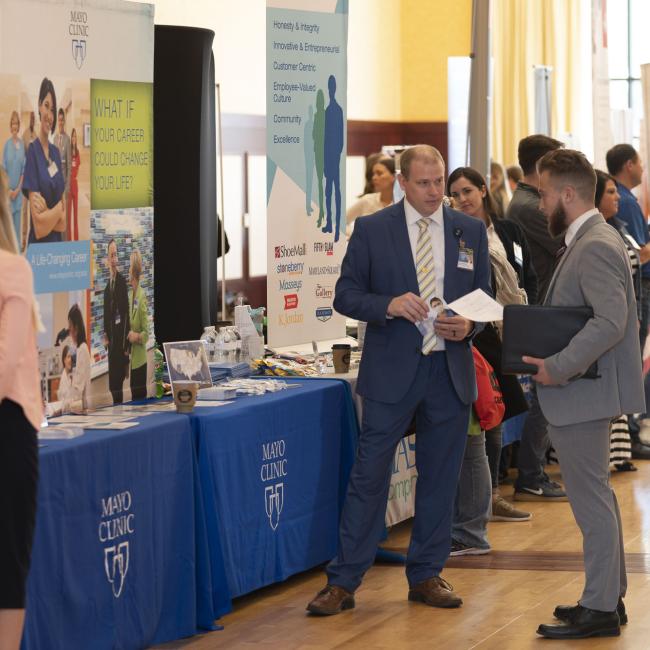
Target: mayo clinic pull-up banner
[(306, 89), (76, 130)]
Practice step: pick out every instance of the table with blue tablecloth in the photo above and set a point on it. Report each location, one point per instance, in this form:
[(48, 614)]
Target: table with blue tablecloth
[(120, 555), (273, 472)]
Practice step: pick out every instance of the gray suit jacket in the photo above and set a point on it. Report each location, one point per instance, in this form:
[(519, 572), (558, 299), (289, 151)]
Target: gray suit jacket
[(595, 271)]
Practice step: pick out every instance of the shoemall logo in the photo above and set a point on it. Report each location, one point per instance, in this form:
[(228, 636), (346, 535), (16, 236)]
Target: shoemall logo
[(291, 301), (323, 314), (78, 29), (297, 250)]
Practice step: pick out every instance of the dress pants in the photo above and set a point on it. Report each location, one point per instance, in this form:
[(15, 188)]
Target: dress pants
[(116, 374), (583, 451), (442, 421), (533, 446)]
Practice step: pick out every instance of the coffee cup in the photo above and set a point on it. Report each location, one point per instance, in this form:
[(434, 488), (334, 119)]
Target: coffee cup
[(341, 357), (185, 395)]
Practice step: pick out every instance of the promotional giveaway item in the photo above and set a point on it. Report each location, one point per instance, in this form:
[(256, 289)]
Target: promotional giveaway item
[(185, 395), (341, 357)]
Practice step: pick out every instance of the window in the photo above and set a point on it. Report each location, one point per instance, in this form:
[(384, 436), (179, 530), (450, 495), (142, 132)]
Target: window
[(628, 49)]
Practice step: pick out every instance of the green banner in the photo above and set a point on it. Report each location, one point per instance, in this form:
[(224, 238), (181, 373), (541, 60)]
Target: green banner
[(121, 127)]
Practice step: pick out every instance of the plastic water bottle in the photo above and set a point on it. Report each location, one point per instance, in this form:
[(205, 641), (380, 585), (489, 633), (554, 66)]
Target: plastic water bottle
[(208, 338)]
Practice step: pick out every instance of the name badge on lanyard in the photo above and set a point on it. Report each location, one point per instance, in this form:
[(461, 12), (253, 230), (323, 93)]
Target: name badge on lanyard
[(519, 255), (465, 258), (52, 169)]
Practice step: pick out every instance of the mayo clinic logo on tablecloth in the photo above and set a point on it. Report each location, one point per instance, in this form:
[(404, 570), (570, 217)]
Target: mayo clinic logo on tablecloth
[(78, 29), (274, 467), (297, 250), (115, 526)]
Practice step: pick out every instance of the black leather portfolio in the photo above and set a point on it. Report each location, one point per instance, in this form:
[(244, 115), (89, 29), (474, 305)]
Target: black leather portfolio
[(540, 331)]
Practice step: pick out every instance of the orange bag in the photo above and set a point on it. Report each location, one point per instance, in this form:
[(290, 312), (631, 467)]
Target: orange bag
[(489, 405)]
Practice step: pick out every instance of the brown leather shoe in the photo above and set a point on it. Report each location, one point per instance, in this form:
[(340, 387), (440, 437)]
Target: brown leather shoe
[(435, 592), (331, 600)]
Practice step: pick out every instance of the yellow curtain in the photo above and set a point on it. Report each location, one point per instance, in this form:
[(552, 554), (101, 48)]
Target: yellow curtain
[(526, 33)]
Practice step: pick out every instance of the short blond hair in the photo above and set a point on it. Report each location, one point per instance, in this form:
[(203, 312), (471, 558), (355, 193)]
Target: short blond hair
[(423, 152), (136, 264)]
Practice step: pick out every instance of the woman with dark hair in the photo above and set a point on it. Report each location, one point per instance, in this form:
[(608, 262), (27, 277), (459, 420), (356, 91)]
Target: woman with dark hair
[(81, 377), (43, 183), (21, 414), (383, 180), (65, 382), (607, 197), (511, 271)]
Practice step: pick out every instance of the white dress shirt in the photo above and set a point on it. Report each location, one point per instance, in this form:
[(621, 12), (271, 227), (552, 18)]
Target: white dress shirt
[(572, 230), (437, 236)]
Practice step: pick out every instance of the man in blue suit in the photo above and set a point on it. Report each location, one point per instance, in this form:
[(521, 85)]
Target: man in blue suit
[(397, 261)]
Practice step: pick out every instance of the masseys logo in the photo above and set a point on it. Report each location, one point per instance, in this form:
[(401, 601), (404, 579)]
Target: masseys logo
[(78, 30), (297, 250)]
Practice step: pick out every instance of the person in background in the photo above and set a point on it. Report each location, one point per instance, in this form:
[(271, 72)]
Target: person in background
[(73, 204), (594, 271), (511, 272), (13, 160), (532, 483), (607, 200), (383, 180), (139, 332), (81, 376), (29, 134), (65, 382), (62, 143), (21, 415), (498, 189), (43, 183), (369, 187), (116, 325), (626, 166), (514, 174)]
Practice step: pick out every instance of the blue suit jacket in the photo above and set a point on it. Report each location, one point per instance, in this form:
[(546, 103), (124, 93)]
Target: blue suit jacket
[(377, 267)]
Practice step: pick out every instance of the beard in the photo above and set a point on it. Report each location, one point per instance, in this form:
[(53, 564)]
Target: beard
[(557, 220)]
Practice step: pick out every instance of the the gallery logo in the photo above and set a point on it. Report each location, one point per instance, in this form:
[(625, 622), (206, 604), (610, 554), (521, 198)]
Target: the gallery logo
[(274, 467), (78, 29), (115, 526), (297, 250), (323, 314), (291, 301), (324, 247), (323, 292)]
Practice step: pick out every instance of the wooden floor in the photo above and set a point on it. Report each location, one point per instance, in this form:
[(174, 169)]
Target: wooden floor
[(535, 566)]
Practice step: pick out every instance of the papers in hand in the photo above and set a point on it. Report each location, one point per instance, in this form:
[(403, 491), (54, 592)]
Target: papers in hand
[(427, 325), (477, 306)]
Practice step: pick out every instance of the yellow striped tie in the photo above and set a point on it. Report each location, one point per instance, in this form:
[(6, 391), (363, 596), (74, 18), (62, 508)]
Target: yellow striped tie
[(426, 274)]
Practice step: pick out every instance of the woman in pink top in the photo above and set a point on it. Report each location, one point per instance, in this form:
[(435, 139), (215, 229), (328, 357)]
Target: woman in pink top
[(21, 412)]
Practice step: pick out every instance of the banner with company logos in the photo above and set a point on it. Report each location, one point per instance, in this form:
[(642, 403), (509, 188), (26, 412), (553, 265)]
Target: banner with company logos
[(306, 88), (76, 128)]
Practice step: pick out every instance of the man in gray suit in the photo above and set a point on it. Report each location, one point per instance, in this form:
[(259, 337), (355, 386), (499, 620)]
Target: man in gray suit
[(593, 271)]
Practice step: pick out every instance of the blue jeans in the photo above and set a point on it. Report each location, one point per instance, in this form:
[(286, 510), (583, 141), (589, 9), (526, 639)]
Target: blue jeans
[(533, 446), (473, 495)]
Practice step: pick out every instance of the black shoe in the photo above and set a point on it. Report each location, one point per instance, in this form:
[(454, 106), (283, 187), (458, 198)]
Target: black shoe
[(566, 613), (639, 450), (584, 623)]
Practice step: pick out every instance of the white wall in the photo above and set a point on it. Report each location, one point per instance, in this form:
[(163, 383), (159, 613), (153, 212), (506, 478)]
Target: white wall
[(240, 51)]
